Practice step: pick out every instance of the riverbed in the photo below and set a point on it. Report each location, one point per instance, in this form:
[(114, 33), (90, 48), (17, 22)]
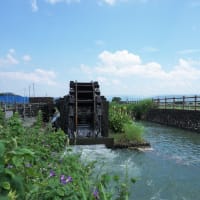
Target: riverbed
[(170, 170)]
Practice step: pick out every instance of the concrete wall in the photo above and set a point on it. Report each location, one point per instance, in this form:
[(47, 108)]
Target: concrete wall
[(185, 119)]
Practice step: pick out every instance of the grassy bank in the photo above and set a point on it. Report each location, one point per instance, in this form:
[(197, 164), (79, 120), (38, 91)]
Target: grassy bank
[(33, 166), (121, 125), (132, 134)]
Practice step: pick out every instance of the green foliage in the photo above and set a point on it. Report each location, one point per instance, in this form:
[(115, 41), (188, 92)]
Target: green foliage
[(132, 133), (2, 117), (120, 122), (118, 115), (33, 166), (38, 123), (15, 125), (116, 99), (141, 108), (11, 179)]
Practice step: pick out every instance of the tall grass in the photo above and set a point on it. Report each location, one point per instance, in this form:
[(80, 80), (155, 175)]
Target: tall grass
[(132, 133), (138, 110), (122, 126)]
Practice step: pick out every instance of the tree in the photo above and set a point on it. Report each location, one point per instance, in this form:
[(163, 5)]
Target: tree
[(116, 99)]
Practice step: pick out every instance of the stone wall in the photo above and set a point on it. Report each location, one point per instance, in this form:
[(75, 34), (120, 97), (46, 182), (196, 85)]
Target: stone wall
[(185, 119)]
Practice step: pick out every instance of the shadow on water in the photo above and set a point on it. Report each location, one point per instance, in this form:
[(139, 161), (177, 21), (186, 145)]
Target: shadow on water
[(170, 171)]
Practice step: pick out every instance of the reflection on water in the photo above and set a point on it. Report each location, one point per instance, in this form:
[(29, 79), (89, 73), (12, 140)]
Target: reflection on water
[(171, 170)]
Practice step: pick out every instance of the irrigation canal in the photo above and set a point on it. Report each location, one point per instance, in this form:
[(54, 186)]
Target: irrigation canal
[(170, 171)]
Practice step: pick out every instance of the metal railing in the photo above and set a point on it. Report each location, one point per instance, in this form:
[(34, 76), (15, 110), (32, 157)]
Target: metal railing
[(181, 103), (28, 109)]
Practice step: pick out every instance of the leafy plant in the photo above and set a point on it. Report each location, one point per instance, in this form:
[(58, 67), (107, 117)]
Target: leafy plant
[(118, 115), (33, 166), (120, 122), (138, 110), (132, 133), (15, 125), (2, 117)]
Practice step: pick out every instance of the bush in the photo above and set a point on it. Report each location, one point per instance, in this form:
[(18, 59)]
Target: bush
[(132, 133), (32, 166), (141, 108), (2, 117), (120, 122), (118, 115)]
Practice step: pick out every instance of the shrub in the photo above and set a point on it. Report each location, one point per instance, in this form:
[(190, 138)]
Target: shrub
[(32, 166), (118, 115), (132, 133), (2, 117), (141, 108)]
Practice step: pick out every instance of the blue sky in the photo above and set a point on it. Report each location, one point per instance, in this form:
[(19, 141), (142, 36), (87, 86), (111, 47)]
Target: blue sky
[(132, 47)]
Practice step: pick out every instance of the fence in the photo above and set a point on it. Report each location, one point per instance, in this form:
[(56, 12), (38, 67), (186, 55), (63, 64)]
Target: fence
[(182, 103), (131, 101), (24, 110)]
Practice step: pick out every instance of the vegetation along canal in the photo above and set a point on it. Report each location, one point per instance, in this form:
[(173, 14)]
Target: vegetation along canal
[(171, 170)]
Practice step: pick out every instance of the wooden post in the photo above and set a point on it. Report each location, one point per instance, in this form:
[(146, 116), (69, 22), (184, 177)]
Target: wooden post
[(94, 108), (173, 102), (195, 102), (158, 102), (183, 102)]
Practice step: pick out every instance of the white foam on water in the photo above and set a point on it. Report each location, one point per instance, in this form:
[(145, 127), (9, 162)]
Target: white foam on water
[(108, 161), (144, 149)]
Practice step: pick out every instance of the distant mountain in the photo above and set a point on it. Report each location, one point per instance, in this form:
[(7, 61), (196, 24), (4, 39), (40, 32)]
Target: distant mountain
[(9, 94), (9, 97)]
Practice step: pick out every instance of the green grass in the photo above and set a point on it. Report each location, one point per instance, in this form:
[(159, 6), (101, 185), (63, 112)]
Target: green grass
[(133, 133), (32, 163), (178, 107)]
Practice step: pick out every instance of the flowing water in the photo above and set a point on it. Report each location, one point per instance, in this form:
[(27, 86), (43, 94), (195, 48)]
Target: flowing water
[(170, 170)]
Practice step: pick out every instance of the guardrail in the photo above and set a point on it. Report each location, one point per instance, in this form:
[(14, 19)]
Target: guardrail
[(181, 103), (28, 109)]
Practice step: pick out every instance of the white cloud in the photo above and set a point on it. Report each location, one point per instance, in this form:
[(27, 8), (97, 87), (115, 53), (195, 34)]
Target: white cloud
[(34, 5), (12, 51), (37, 76), (119, 57), (62, 1), (110, 2), (113, 2), (26, 58), (123, 72), (186, 70), (9, 59), (188, 51)]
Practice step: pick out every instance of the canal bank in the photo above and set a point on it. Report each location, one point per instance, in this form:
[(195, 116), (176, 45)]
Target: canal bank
[(184, 119), (171, 170)]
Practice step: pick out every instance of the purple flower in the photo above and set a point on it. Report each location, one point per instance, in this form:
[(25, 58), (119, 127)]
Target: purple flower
[(69, 179), (28, 165), (65, 180), (52, 173), (62, 179), (96, 193)]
